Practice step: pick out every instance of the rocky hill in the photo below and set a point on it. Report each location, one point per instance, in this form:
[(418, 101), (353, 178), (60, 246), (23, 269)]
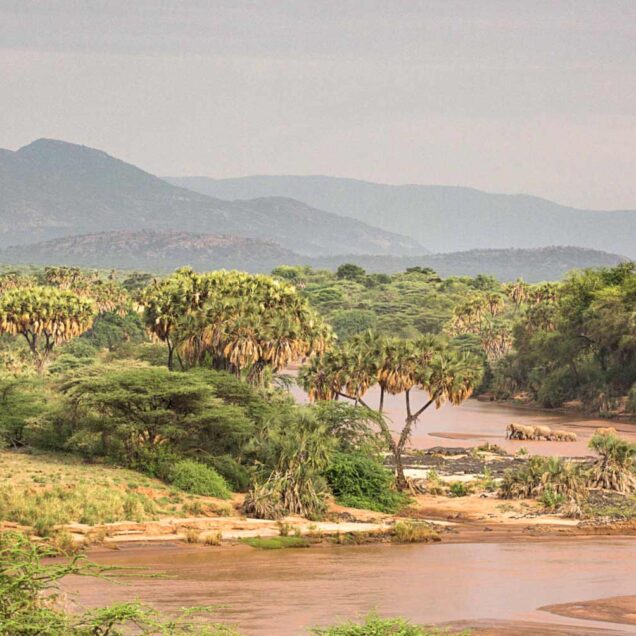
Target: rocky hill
[(157, 251), (163, 251)]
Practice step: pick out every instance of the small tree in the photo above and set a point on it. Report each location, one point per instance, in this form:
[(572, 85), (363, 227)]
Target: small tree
[(350, 271), (44, 316), (614, 470)]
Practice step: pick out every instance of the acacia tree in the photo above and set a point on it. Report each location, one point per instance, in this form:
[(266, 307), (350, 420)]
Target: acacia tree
[(398, 367), (44, 316)]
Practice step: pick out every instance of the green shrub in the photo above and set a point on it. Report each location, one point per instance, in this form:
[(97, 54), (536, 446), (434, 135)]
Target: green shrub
[(20, 400), (414, 532), (199, 479), (234, 473), (349, 322), (459, 489), (614, 469), (550, 499), (373, 625), (556, 388), (540, 474), (31, 601), (361, 482)]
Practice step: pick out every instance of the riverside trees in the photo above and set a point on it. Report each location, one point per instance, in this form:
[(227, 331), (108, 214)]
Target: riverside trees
[(243, 323), (397, 366)]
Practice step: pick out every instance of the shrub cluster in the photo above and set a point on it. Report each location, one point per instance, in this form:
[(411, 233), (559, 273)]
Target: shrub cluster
[(360, 481)]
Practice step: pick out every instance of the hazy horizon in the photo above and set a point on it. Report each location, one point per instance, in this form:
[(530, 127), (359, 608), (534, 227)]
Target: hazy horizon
[(512, 97)]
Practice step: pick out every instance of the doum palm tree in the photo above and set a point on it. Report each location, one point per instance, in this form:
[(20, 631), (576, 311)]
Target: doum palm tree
[(397, 366)]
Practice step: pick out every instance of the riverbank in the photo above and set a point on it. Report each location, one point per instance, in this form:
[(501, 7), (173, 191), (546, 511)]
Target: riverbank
[(573, 408), (74, 506)]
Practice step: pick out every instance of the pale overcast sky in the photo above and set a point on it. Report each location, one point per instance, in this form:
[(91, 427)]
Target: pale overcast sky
[(507, 96)]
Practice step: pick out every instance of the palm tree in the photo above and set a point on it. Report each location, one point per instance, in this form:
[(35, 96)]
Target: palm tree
[(397, 366), (44, 316), (446, 377)]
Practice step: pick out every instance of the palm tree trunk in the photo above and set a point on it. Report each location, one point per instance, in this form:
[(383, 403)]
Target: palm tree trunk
[(170, 355)]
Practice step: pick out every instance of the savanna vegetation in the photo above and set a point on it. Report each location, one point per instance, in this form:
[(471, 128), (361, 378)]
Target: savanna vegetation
[(125, 397), (549, 343), (182, 378)]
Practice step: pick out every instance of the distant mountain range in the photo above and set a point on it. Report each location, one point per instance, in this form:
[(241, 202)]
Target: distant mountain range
[(165, 251), (445, 219), (51, 189), (62, 203)]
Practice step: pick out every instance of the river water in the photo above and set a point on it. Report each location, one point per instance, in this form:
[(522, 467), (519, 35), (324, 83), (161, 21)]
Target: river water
[(283, 592)]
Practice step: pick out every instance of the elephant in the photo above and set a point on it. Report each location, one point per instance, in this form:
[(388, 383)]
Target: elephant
[(563, 436), (542, 431), (519, 431)]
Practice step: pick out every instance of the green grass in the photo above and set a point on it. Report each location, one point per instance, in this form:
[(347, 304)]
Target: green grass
[(276, 543)]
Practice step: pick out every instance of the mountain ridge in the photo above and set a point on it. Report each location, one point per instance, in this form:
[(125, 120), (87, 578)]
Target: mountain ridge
[(51, 189), (446, 218)]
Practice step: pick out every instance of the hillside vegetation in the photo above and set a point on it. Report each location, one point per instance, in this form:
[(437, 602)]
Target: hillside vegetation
[(164, 251)]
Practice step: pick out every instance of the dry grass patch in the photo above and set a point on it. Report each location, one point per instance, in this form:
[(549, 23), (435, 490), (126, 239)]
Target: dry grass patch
[(46, 490)]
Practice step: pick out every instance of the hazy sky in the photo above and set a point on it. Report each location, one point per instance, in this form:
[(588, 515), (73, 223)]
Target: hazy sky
[(506, 96)]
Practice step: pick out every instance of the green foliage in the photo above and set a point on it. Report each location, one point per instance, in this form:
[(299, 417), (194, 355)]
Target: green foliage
[(374, 625), (573, 341), (406, 305), (361, 482), (294, 453), (112, 330), (199, 479), (355, 429), (550, 499), (131, 410), (81, 503), (234, 473), (20, 400), (44, 316), (538, 475), (615, 468), (459, 489), (350, 271), (414, 532), (349, 322), (232, 320)]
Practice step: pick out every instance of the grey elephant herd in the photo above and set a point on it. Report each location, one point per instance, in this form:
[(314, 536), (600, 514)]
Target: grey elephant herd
[(520, 431)]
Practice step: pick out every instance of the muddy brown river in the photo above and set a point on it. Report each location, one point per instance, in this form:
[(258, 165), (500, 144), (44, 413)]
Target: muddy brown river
[(282, 592)]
